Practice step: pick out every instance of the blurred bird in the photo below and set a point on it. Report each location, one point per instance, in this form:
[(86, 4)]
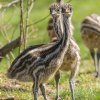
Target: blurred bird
[(90, 31)]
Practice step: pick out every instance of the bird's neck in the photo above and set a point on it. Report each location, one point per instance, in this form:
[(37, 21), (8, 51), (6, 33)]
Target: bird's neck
[(66, 30)]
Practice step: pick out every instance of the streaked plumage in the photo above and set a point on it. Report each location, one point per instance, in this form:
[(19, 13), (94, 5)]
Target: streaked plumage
[(40, 63), (90, 32), (71, 60)]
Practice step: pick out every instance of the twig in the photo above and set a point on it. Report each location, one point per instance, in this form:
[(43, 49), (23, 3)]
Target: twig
[(9, 4), (17, 25), (3, 35), (29, 8), (27, 19), (8, 59), (8, 40), (21, 23), (38, 21), (14, 31)]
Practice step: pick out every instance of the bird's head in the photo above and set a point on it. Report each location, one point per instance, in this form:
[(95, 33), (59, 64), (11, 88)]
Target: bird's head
[(55, 10), (67, 10)]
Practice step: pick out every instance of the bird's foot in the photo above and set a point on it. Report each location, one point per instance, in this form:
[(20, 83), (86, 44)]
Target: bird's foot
[(58, 98), (97, 75)]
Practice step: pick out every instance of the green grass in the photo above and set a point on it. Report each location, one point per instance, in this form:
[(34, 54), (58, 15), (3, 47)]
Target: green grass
[(87, 87)]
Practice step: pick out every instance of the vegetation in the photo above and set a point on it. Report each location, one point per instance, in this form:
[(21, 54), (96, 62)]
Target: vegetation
[(87, 86)]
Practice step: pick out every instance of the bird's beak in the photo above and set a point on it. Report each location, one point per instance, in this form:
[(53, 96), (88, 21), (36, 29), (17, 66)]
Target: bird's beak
[(53, 12), (68, 14)]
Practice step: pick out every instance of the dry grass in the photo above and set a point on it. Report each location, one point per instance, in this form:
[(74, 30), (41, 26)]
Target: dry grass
[(87, 86)]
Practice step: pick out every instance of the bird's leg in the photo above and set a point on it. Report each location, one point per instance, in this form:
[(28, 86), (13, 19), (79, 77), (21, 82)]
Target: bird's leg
[(35, 87), (57, 77), (74, 72), (98, 57), (72, 87), (96, 62), (42, 88), (99, 67), (94, 55)]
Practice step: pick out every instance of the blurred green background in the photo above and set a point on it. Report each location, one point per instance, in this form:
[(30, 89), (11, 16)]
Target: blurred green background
[(82, 8), (88, 88)]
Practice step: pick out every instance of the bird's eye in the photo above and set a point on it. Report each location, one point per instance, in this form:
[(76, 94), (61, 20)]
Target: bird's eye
[(50, 11), (57, 10), (70, 9)]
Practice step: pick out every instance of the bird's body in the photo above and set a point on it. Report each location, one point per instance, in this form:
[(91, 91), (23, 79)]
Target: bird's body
[(73, 52), (71, 60), (41, 62), (90, 30), (26, 63), (72, 57)]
